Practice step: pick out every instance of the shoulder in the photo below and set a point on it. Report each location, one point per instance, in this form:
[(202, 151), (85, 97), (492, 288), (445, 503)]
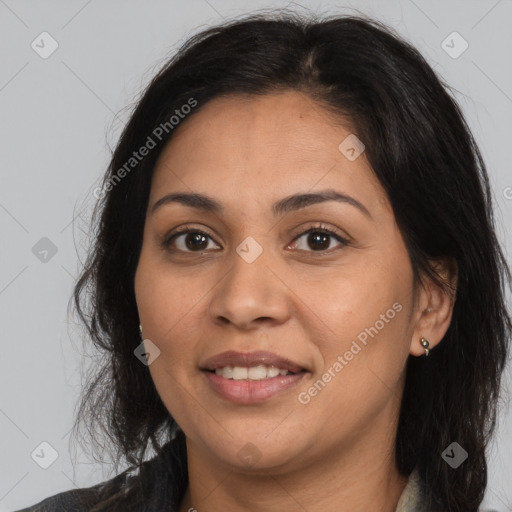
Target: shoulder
[(79, 500), (155, 485)]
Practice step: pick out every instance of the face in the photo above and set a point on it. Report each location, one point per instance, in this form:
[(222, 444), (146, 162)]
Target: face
[(338, 305)]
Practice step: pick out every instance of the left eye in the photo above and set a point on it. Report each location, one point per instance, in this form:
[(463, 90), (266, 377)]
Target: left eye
[(196, 240), (318, 236)]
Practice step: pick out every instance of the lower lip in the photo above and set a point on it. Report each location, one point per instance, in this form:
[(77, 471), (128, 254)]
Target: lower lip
[(251, 391)]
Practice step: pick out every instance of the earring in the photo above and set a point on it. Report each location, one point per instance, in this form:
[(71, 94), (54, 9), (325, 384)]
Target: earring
[(425, 344), (140, 330)]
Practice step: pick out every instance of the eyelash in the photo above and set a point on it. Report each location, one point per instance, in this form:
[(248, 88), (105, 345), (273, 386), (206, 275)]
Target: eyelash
[(314, 229)]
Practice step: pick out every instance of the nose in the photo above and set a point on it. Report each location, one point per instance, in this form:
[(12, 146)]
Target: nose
[(250, 294)]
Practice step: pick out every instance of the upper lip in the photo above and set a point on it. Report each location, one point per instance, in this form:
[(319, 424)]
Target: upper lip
[(250, 359)]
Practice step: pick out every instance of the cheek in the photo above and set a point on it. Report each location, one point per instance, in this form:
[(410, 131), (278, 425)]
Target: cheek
[(362, 335), (362, 369), (352, 299), (166, 299)]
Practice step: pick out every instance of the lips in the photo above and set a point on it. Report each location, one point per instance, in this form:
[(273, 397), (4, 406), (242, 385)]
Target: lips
[(250, 359)]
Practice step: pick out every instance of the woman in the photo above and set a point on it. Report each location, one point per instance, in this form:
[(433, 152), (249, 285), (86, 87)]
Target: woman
[(296, 282)]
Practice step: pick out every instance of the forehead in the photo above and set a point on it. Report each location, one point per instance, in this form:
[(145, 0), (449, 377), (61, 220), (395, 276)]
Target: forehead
[(251, 146)]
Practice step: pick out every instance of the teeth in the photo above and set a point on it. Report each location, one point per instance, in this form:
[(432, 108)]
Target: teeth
[(253, 373), (226, 372), (258, 372), (239, 373)]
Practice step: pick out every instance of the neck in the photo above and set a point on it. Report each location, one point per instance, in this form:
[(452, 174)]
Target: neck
[(357, 477)]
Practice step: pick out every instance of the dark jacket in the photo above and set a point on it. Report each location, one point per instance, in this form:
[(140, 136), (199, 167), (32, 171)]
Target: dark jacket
[(154, 489), (93, 499), (157, 486), (74, 500)]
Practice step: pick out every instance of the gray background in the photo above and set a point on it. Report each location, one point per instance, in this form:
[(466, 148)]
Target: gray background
[(59, 116)]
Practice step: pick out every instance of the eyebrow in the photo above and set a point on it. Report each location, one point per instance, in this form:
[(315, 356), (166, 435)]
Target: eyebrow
[(291, 203)]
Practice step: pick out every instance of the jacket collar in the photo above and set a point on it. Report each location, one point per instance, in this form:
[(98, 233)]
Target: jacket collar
[(410, 499)]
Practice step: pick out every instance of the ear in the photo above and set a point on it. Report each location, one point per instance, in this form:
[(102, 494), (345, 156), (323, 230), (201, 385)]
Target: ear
[(434, 306)]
